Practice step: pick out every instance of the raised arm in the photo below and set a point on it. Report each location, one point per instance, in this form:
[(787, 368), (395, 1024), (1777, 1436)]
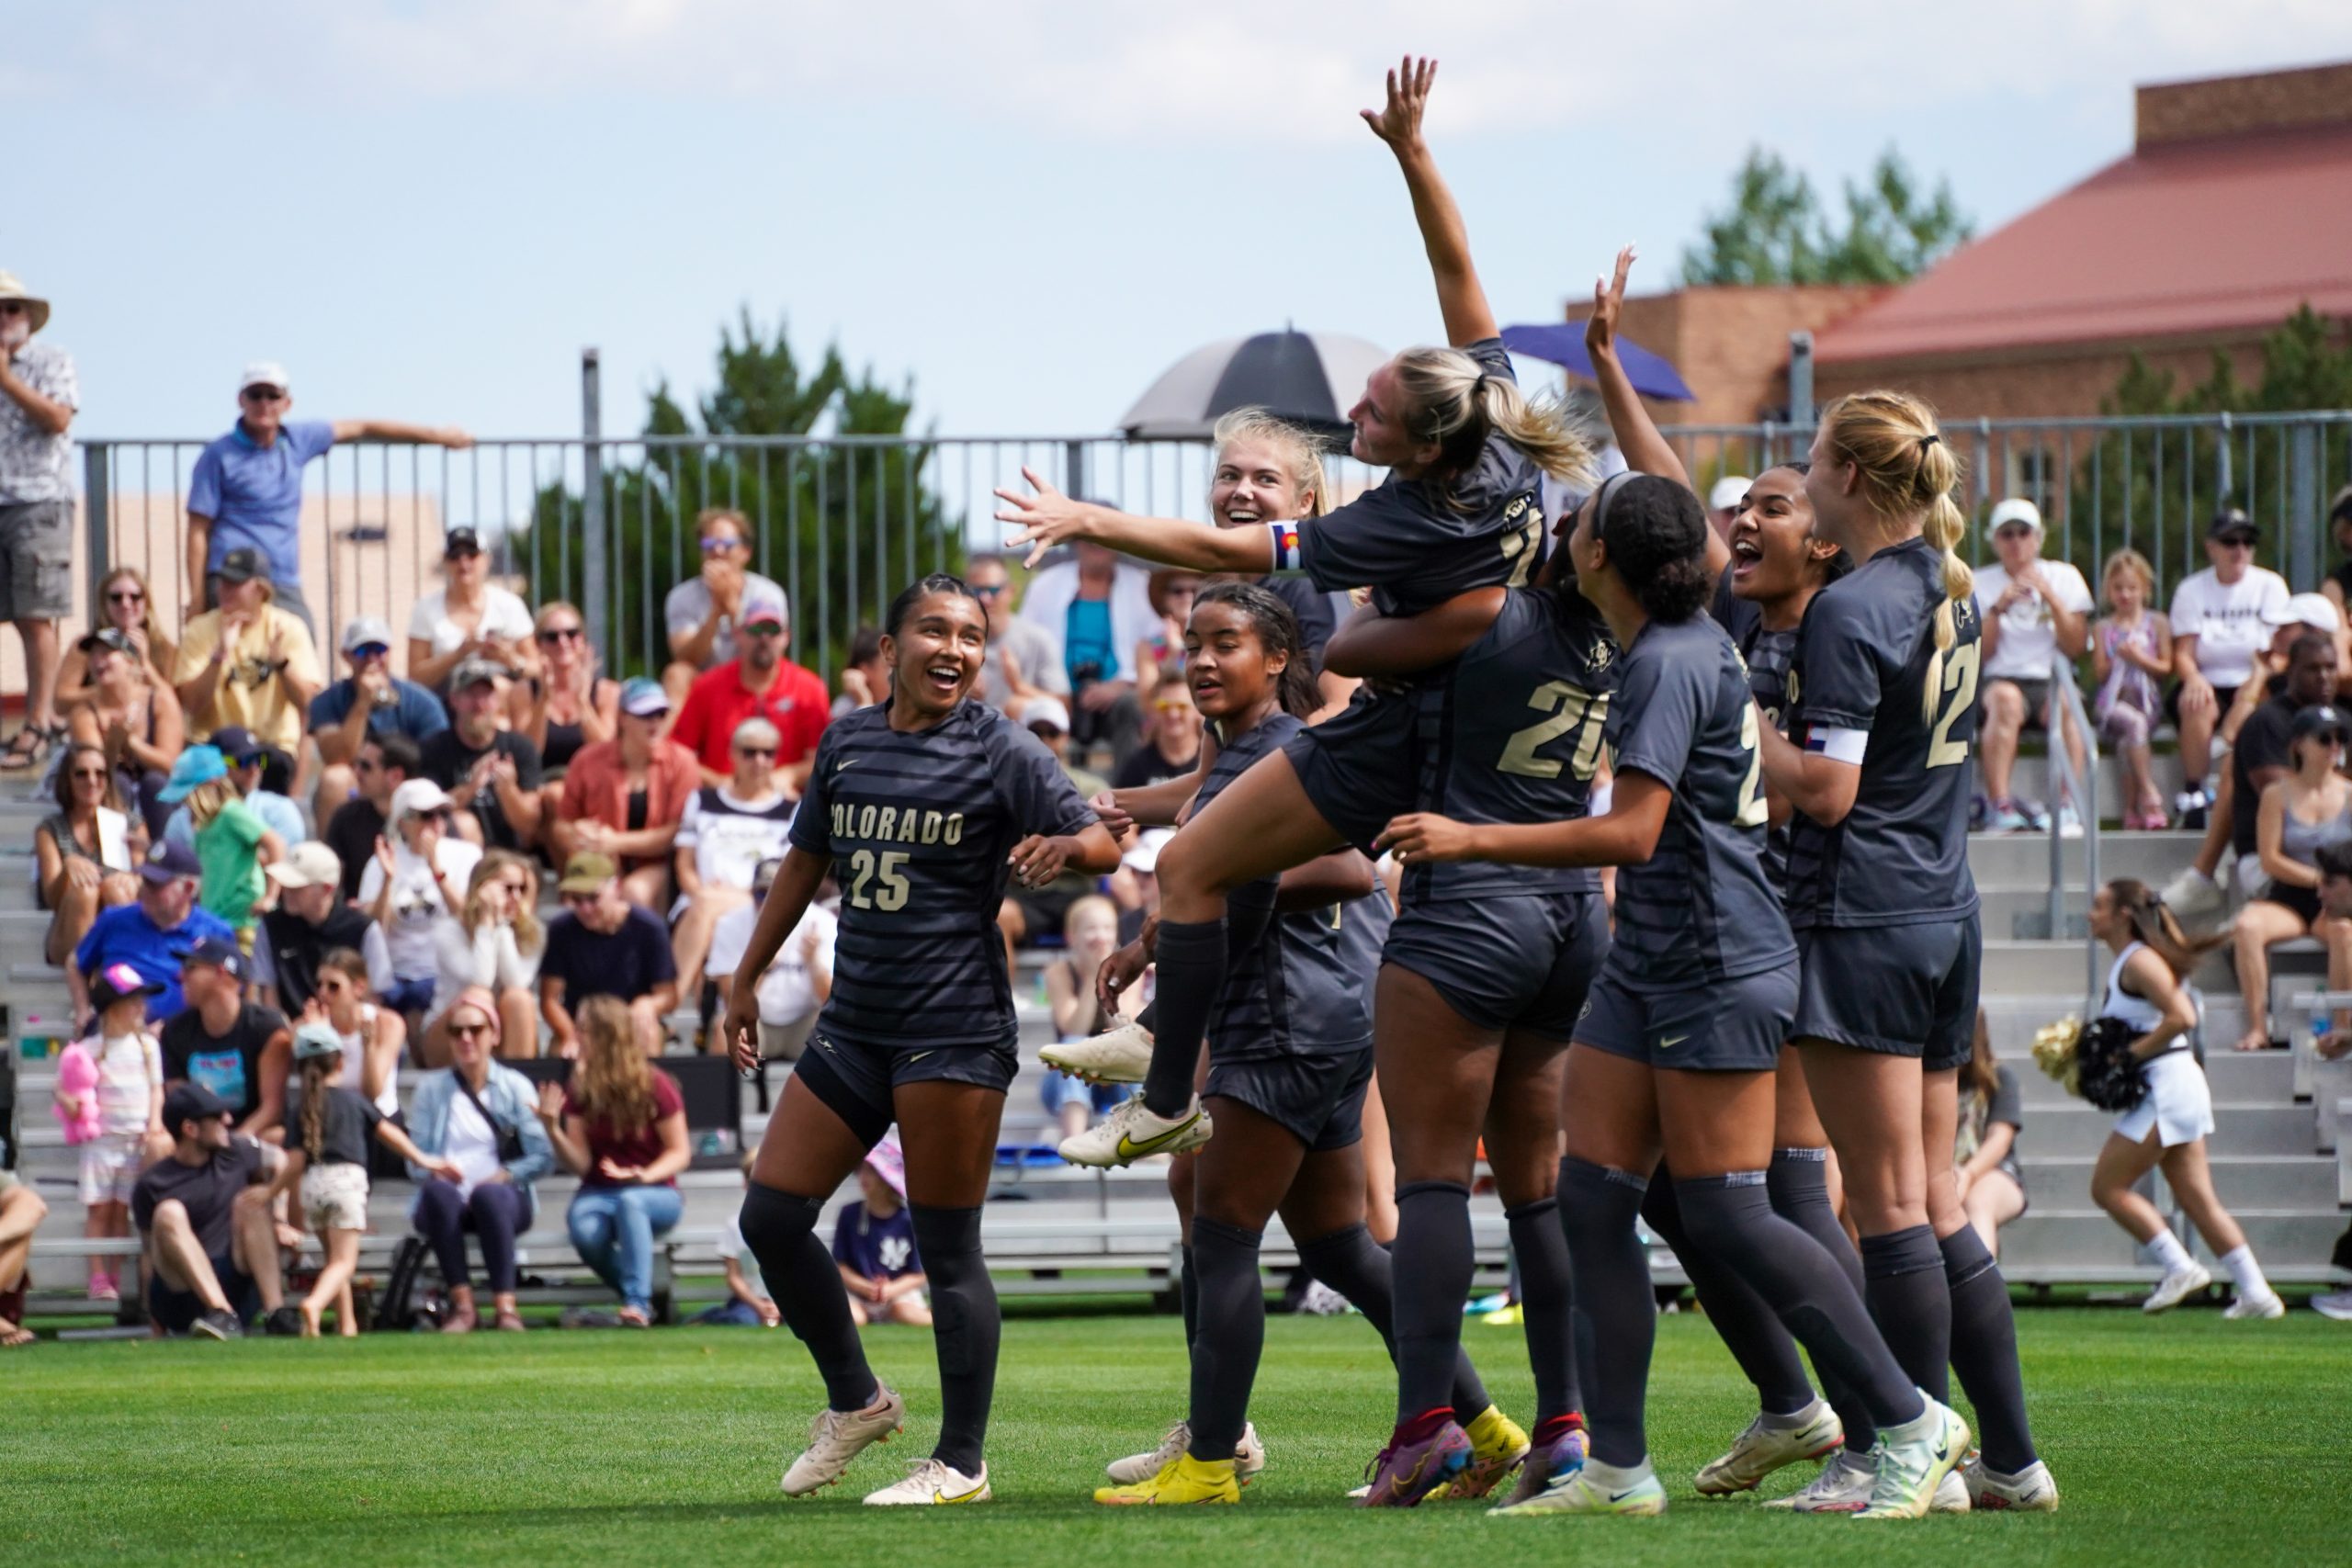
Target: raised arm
[(1460, 298), (1376, 645), (1646, 451)]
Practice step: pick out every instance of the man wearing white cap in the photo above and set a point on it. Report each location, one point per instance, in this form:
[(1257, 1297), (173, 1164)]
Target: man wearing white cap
[(2033, 610), (1723, 501), (37, 396), (371, 700), (246, 488)]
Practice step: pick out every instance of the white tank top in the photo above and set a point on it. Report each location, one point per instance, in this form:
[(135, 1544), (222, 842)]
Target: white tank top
[(2142, 1014)]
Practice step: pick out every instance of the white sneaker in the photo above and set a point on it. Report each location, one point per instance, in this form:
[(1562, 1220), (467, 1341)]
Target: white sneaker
[(837, 1436), (1952, 1495), (2267, 1304), (933, 1483), (2029, 1491), (1248, 1456), (1842, 1488), (1321, 1300), (1761, 1450), (1116, 1055), (2192, 893), (2178, 1286), (1913, 1461), (1595, 1489), (2336, 1305), (1130, 1132)]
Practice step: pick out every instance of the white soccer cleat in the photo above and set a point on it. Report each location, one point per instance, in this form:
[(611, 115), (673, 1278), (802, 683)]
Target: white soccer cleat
[(2267, 1304), (1248, 1456), (837, 1436), (1131, 1132), (1842, 1488), (933, 1483), (1912, 1460), (1952, 1495), (2335, 1305), (1115, 1056), (1761, 1450), (2029, 1491), (1594, 1489), (2178, 1286)]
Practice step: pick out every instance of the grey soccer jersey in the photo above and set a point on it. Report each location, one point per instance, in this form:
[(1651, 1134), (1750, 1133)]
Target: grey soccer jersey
[(1515, 736), (1864, 660), (1700, 908), (1415, 547), (919, 826), (1769, 655)]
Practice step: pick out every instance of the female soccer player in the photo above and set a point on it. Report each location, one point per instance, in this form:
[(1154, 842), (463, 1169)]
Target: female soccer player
[(921, 809), (1879, 894), (1460, 510), (1676, 1052), (1290, 1055)]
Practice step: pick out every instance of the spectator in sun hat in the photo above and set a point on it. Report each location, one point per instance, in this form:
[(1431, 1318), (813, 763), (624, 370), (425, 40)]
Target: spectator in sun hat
[(874, 1242), (203, 1211), (248, 664), (624, 798), (702, 613), (153, 934), (245, 491), (2033, 611), (37, 396), (468, 616), (416, 878), (493, 774), (371, 700), (602, 946), (310, 921), (1722, 501), (2217, 635), (759, 681), (244, 760)]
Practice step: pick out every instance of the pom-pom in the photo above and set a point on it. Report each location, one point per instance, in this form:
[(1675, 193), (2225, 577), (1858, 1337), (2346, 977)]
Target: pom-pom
[(2093, 1061)]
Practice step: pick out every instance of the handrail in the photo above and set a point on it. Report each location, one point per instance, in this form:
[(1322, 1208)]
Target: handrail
[(2084, 793)]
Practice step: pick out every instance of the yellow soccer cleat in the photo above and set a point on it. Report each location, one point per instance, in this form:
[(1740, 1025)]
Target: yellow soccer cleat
[(1184, 1480), (1497, 1447)]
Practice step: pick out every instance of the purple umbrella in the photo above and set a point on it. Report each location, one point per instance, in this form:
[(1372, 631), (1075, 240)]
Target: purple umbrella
[(1562, 344)]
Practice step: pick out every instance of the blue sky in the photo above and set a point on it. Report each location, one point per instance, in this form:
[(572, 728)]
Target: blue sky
[(425, 206)]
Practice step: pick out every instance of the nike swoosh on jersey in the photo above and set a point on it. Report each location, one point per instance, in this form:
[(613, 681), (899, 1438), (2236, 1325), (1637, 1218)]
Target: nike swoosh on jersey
[(1670, 1044), (917, 1056)]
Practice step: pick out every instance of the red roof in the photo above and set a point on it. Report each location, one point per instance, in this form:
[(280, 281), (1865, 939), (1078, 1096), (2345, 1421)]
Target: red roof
[(2229, 233)]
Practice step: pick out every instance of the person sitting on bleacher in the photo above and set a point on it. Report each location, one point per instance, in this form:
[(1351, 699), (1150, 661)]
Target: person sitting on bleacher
[(602, 946), (479, 1115), (623, 797), (874, 1242), (152, 935), (239, 1050), (726, 832), (2300, 812), (308, 923), (797, 984), (203, 1212), (21, 1213), (82, 852)]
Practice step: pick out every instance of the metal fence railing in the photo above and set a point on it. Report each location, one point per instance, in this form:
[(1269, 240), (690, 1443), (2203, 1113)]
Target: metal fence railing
[(844, 521)]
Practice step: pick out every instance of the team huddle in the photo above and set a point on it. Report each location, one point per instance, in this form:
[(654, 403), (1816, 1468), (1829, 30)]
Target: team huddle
[(1765, 736)]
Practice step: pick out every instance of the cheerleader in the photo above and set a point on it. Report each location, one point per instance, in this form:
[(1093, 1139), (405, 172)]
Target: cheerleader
[(2167, 1129), (922, 809)]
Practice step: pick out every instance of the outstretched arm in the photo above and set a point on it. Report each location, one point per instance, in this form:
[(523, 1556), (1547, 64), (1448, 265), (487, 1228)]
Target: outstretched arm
[(1375, 645), (396, 431), (1460, 298), (1045, 517)]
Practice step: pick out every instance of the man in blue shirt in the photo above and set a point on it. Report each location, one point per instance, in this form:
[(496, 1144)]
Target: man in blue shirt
[(152, 935), (370, 701), (246, 488)]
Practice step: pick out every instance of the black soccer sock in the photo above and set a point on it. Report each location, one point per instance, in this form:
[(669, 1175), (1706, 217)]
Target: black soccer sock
[(1731, 1216), (1232, 1336), (1617, 1315), (1546, 1306), (1359, 1269), (1192, 964), (1984, 1350), (1798, 1181), (779, 1227), (1188, 1296), (1433, 1260), (1747, 1324), (1904, 1271), (964, 1330)]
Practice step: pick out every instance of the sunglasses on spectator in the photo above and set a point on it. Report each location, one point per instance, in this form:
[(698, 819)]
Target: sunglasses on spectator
[(12, 306), (718, 544), (367, 650), (2236, 541), (765, 628), (767, 751), (467, 1030), (97, 773), (990, 590), (366, 766), (125, 597), (262, 395), (553, 635)]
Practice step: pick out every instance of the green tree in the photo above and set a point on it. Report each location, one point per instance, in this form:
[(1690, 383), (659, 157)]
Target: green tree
[(843, 524), (1774, 230)]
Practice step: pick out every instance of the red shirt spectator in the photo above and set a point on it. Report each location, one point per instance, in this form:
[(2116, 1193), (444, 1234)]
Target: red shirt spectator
[(761, 682)]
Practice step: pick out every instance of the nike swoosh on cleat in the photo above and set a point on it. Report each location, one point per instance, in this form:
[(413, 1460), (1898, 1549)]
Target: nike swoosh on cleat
[(938, 1497), (1621, 1497), (1130, 1149)]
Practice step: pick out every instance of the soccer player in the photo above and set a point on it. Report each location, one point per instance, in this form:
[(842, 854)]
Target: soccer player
[(1675, 1054), (1460, 510), (921, 809), (1885, 911)]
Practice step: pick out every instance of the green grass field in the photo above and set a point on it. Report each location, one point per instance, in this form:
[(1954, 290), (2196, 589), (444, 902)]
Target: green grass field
[(2188, 1438)]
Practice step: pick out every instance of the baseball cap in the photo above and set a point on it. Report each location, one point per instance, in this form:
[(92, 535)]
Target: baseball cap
[(197, 766), (765, 878), (364, 630), (116, 981), (1729, 490), (168, 860), (1049, 711), (308, 864), (242, 564), (1145, 856), (587, 872), (762, 608), (2313, 610), (263, 373), (113, 638), (476, 669), (223, 955), (460, 542), (2016, 509), (642, 698), (237, 745), (2231, 523), (889, 1163), (419, 797), (192, 1102), (316, 1040)]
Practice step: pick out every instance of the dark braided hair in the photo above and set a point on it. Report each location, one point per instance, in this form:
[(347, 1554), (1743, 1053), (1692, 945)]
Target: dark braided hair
[(1655, 534), (1278, 632), (923, 587)]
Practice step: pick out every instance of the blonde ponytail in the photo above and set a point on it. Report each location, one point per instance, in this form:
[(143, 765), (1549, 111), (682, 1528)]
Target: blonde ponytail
[(1451, 400), (1907, 470)]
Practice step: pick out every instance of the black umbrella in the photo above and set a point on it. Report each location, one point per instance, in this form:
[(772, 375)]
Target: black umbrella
[(1312, 378)]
